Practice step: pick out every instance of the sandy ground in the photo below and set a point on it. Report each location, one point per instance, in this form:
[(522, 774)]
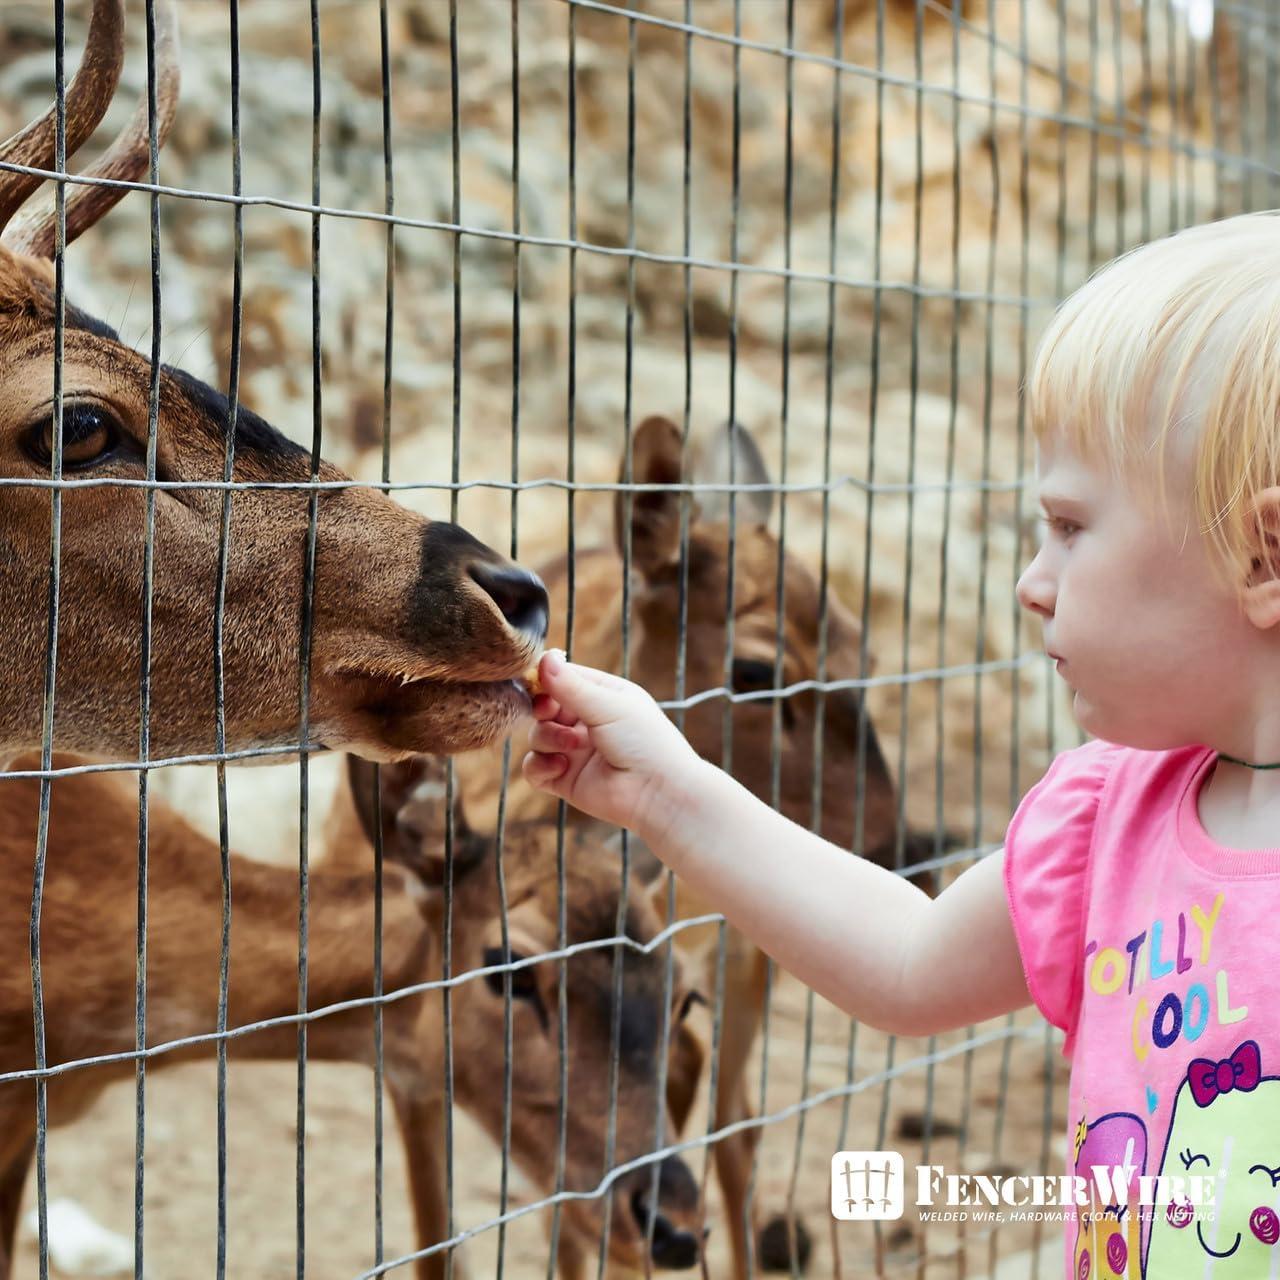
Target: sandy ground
[(92, 1160)]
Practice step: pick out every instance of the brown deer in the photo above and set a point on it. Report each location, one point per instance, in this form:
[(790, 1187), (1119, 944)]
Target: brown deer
[(413, 817), (416, 628), (89, 991), (655, 531)]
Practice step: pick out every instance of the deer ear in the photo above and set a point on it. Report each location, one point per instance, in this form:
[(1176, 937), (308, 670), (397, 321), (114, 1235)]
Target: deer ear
[(655, 889), (646, 867), (734, 446), (365, 796), (411, 800), (395, 784), (684, 1071), (656, 458)]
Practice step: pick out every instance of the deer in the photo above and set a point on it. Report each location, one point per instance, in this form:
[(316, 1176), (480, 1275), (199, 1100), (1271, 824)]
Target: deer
[(848, 738), (411, 633), (409, 810), (89, 991)]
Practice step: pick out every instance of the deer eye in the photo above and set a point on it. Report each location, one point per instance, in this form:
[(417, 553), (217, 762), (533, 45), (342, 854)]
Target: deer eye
[(90, 435), (524, 985), (750, 675)]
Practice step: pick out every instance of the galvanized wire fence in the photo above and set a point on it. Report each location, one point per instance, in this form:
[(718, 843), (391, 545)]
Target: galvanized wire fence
[(869, 308)]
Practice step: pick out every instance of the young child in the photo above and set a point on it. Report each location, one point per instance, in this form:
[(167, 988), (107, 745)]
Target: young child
[(1135, 900)]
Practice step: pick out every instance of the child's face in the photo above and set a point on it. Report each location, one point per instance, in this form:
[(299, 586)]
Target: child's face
[(1152, 645)]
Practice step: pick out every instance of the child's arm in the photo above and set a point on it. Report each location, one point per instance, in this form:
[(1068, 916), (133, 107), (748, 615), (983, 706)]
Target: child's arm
[(867, 939)]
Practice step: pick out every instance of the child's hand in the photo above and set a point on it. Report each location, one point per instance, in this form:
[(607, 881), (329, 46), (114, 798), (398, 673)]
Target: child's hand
[(604, 745)]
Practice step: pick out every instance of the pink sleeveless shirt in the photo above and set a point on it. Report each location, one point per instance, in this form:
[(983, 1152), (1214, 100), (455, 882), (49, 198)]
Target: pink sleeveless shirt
[(1157, 951)]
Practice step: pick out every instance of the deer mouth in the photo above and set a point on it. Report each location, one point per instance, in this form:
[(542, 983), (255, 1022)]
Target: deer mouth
[(408, 713), (389, 691)]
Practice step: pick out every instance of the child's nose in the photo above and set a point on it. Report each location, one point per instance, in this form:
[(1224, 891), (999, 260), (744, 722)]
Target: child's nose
[(1036, 590)]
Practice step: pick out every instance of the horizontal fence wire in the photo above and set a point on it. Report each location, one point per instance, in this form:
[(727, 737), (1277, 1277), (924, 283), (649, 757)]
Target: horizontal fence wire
[(1109, 122)]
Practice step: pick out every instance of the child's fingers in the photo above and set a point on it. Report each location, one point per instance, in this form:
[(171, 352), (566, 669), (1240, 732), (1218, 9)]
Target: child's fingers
[(596, 697), (548, 736), (545, 707), (543, 770)]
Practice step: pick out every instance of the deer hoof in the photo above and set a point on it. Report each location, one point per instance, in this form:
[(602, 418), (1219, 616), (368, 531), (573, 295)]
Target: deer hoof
[(776, 1249)]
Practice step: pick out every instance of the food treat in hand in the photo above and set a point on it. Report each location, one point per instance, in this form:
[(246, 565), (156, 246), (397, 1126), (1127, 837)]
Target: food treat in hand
[(531, 680)]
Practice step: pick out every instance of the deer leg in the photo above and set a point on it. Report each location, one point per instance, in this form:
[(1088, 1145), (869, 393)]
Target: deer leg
[(13, 1178), (745, 974), (571, 1262), (421, 1121)]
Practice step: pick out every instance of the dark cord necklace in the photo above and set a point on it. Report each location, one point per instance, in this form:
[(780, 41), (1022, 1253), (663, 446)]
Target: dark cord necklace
[(1247, 765)]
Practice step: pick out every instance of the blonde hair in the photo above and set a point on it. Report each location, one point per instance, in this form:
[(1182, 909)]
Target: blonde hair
[(1178, 339)]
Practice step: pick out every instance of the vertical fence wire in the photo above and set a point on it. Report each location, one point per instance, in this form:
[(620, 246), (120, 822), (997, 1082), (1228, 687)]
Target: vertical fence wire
[(451, 779), (913, 391), (1008, 1045), (51, 635), (304, 651), (625, 624), (388, 368), (571, 547), (944, 561), (818, 796), (1015, 609), (499, 860), (219, 618), (144, 709), (779, 632), (873, 413), (984, 559), (715, 1105)]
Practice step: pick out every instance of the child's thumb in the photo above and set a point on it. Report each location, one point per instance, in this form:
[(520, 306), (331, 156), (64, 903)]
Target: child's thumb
[(595, 697)]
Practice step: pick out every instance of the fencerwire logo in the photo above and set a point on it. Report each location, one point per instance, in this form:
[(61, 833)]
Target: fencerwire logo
[(870, 1186), (867, 1186)]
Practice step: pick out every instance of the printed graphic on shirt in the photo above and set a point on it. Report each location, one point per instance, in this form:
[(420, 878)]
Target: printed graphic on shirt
[(1109, 1236), (1168, 974), (1226, 1121)]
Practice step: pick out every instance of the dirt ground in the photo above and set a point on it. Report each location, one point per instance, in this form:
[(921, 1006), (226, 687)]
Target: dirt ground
[(91, 1161)]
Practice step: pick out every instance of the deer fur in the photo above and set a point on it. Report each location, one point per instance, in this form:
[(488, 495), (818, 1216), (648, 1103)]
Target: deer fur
[(418, 631)]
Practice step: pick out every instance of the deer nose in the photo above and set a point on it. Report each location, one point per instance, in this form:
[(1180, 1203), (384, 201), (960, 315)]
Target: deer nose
[(519, 595), (673, 1249)]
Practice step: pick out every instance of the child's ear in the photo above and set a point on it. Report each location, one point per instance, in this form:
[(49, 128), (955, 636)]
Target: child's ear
[(1262, 584)]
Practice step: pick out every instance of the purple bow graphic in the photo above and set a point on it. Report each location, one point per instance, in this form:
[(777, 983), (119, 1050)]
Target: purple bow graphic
[(1242, 1070)]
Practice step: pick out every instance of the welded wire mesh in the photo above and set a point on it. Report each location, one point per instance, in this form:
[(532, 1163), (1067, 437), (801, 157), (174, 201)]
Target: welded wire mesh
[(531, 227)]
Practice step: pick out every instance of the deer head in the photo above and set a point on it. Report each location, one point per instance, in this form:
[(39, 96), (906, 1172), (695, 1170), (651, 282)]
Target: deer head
[(413, 825), (417, 628), (658, 458)]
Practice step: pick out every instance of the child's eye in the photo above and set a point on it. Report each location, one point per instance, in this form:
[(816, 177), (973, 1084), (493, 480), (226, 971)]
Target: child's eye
[(1188, 1159), (1056, 524), (1273, 1174)]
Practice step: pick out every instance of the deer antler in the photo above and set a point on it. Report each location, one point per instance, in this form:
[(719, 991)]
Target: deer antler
[(128, 158), (87, 98)]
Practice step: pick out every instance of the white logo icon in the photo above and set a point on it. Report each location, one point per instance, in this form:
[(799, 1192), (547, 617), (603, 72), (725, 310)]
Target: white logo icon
[(866, 1186)]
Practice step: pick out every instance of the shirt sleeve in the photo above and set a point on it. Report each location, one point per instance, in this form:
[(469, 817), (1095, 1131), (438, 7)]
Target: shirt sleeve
[(1046, 875)]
